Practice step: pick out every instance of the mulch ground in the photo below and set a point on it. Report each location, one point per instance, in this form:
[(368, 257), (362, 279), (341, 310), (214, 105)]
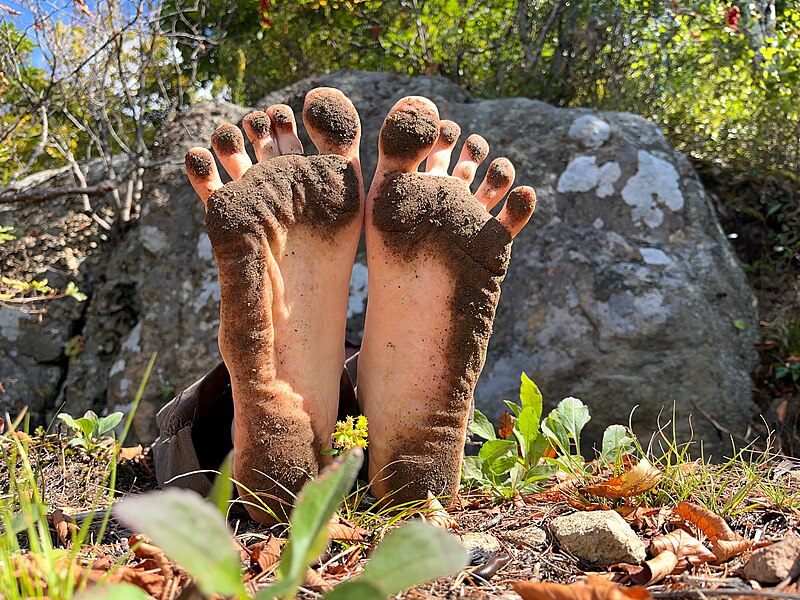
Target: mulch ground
[(75, 485)]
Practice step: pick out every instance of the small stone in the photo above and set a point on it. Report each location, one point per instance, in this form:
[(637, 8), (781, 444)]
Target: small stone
[(773, 563), (590, 131), (480, 546), (531, 536), (600, 537)]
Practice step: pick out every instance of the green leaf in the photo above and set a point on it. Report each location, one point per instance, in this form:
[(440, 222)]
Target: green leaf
[(572, 415), (315, 505), (86, 426), (222, 490), (34, 513), (481, 426), (494, 449), (740, 325), (616, 443), (503, 464), (119, 591), (412, 554), (69, 421), (514, 408), (192, 533), (527, 425), (108, 423), (530, 396), (471, 468)]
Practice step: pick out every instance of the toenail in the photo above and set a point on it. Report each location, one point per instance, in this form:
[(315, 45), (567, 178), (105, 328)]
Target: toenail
[(330, 116), (227, 140), (477, 148), (407, 132), (500, 173), (521, 203), (198, 163), (450, 132), (259, 124)]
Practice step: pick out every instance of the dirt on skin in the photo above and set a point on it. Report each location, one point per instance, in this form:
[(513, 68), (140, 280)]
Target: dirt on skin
[(406, 132), (336, 120), (438, 216), (228, 140)]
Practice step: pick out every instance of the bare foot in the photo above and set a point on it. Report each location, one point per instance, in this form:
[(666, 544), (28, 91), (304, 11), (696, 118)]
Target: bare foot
[(436, 259), (284, 234)]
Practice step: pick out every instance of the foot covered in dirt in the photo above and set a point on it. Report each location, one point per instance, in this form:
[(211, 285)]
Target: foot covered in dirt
[(284, 233), (436, 260)]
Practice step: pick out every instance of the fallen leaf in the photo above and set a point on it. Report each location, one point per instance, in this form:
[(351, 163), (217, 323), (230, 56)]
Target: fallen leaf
[(434, 513), (682, 545), (315, 582), (63, 527), (657, 568), (637, 480), (341, 531), (265, 555), (143, 549), (506, 423), (725, 543), (591, 588)]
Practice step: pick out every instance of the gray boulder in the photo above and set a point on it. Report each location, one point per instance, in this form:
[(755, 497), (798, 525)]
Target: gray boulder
[(622, 291)]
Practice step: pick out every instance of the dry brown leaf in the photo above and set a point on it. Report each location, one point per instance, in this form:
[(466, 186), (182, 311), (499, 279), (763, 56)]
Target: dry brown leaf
[(341, 531), (713, 526), (130, 453), (63, 527), (727, 549), (591, 588), (506, 423), (658, 568), (81, 6), (315, 582), (637, 480), (434, 513), (265, 555), (682, 545), (144, 549), (151, 581), (725, 543)]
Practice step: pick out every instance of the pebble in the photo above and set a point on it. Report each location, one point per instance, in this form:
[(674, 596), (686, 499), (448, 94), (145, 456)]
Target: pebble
[(480, 546), (600, 537), (773, 563)]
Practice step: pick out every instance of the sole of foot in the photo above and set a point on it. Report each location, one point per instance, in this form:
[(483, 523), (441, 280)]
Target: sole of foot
[(284, 233), (436, 259)]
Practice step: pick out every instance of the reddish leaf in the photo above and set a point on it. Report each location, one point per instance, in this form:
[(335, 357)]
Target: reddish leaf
[(591, 588), (637, 480), (506, 423)]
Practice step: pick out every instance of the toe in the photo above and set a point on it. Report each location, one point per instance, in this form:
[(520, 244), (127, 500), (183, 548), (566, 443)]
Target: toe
[(202, 172), (518, 209), (472, 155), (497, 182), (438, 160), (285, 129), (228, 145), (332, 122), (409, 132), (258, 128)]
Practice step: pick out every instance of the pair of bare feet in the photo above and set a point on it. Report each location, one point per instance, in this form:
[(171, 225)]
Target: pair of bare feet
[(285, 234)]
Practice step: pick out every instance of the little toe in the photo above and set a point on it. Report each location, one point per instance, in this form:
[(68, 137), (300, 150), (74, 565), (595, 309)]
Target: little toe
[(258, 128), (228, 144), (518, 209), (498, 180), (285, 129), (202, 172), (439, 159), (332, 122), (409, 132), (472, 155)]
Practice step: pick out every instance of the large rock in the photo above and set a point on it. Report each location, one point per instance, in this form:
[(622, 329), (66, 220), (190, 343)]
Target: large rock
[(622, 291)]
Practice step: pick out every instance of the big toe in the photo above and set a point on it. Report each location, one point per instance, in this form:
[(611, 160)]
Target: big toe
[(408, 134), (332, 122)]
